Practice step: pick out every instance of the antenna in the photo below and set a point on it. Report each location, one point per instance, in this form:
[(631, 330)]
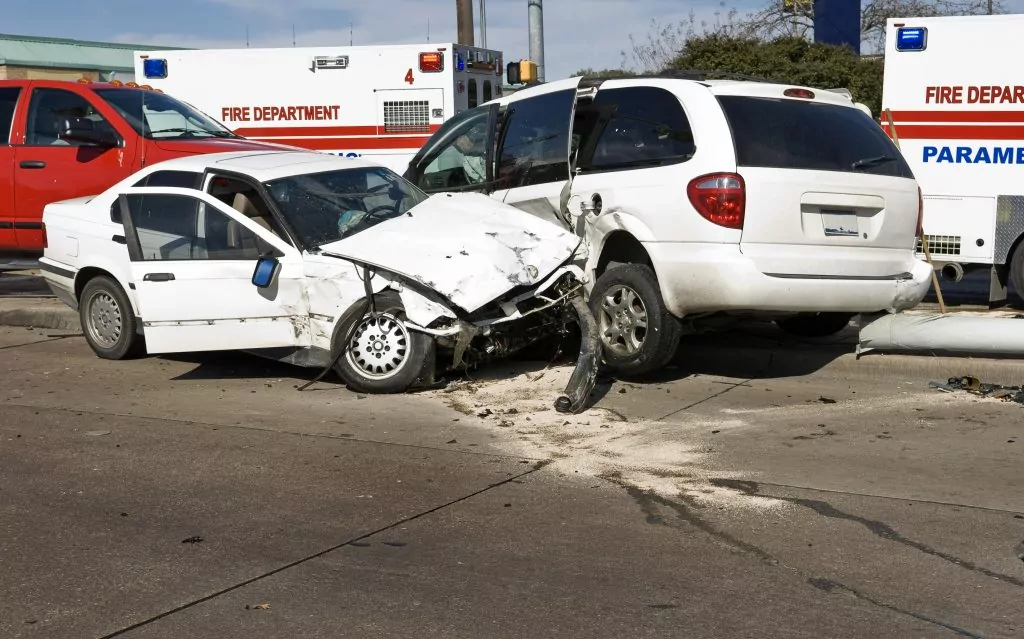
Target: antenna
[(246, 36), (351, 32), (293, 34), (428, 29)]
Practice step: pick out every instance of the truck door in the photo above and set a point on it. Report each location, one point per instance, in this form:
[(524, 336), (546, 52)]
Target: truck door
[(49, 167), (405, 120), (192, 262), (8, 105)]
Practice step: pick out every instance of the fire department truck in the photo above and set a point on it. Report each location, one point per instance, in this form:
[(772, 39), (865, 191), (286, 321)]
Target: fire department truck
[(956, 96), (377, 102)]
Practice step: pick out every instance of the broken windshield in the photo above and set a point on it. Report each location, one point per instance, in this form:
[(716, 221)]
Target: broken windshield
[(333, 205)]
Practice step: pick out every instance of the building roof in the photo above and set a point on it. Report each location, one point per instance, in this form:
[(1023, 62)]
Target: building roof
[(60, 53)]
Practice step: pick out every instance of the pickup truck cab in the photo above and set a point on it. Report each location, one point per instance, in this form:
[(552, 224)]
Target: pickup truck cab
[(61, 140)]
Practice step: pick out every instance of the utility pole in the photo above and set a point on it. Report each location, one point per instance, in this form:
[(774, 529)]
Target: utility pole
[(483, 24), (536, 14), (464, 20), (990, 7)]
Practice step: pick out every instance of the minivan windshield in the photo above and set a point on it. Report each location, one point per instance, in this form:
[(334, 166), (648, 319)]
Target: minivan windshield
[(332, 205), (812, 136), (160, 117)]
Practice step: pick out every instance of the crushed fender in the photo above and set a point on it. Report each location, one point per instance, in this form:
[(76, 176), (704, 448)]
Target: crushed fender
[(975, 386), (584, 376)]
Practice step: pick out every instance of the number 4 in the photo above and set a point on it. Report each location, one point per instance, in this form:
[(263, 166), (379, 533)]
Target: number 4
[(408, 77)]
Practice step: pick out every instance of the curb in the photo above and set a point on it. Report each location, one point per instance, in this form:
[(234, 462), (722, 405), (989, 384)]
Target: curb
[(55, 318)]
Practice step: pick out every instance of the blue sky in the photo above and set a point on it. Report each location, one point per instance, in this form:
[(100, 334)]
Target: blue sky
[(578, 33)]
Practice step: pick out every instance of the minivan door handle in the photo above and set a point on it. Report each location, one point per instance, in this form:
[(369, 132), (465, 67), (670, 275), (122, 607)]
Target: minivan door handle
[(158, 277), (32, 164)]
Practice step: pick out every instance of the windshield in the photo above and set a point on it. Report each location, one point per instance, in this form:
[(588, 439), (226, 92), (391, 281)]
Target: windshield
[(327, 207), (160, 117)]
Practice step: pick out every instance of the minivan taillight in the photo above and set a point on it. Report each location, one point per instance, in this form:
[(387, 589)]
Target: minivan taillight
[(920, 213), (719, 198)]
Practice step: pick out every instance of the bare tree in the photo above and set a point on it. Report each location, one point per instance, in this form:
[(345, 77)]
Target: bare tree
[(664, 41)]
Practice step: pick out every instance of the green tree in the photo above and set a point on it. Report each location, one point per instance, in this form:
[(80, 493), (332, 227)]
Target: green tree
[(789, 60)]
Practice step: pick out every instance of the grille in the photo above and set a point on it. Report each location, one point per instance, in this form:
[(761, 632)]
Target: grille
[(407, 116), (941, 244)]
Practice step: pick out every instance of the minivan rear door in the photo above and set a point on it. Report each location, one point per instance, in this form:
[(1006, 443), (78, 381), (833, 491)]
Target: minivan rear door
[(827, 192)]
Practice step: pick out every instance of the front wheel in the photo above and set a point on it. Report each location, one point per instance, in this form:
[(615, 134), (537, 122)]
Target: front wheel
[(383, 355), (108, 321), (815, 324), (638, 334)]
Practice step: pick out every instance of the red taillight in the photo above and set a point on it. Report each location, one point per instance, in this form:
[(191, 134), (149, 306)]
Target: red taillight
[(799, 93), (42, 226), (719, 198), (432, 62), (920, 212)]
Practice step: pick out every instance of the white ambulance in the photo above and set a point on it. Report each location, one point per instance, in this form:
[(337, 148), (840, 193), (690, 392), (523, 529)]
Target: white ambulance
[(956, 94), (377, 102)]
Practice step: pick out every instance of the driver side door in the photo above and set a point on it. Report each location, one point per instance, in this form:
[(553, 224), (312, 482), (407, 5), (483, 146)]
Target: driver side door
[(192, 264)]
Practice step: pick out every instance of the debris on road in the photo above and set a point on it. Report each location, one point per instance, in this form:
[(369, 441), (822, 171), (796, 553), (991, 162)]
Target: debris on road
[(192, 540), (975, 386), (262, 606)]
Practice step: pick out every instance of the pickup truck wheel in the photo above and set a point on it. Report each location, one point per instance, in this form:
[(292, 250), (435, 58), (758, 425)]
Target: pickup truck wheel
[(383, 355), (815, 324), (638, 334), (108, 321)]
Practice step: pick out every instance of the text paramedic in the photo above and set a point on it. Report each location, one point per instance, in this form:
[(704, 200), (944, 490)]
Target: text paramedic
[(279, 113), (970, 155)]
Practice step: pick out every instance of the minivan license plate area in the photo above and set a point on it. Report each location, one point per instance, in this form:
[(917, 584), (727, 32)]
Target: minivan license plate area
[(839, 223)]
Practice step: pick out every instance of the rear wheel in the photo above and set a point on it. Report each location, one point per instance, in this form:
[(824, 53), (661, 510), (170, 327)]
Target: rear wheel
[(108, 321), (815, 324), (1017, 270), (638, 334), (383, 355)]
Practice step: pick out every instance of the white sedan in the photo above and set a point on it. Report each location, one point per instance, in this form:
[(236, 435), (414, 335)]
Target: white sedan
[(318, 261)]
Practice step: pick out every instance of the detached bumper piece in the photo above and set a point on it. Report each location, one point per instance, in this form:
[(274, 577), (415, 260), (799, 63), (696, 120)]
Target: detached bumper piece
[(584, 376)]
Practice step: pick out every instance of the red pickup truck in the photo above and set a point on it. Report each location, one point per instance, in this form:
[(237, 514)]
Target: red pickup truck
[(61, 140)]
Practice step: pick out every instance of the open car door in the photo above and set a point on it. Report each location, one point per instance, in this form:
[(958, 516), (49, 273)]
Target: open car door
[(193, 261)]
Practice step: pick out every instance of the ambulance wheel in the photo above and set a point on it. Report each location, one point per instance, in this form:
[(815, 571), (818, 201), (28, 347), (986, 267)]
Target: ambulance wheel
[(383, 355), (108, 321), (815, 324), (1017, 270)]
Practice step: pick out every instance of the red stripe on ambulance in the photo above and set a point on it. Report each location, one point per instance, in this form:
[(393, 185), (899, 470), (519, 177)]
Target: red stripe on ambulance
[(350, 144), (956, 131)]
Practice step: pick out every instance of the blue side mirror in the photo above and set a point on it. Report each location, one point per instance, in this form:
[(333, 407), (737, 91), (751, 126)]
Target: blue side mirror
[(265, 272)]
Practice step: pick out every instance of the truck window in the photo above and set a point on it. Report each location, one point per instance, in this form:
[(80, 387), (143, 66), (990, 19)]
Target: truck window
[(645, 126), (472, 93), (797, 134), (535, 148), (50, 109), (159, 116), (8, 102), (456, 156), (488, 95), (177, 227)]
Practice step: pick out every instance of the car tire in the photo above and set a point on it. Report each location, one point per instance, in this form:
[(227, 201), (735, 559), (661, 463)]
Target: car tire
[(815, 324), (622, 297), (1017, 270), (383, 355), (108, 321)]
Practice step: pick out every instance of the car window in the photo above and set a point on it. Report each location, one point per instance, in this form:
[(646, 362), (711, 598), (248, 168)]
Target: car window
[(473, 102), (50, 109), (177, 227), (176, 179), (159, 116), (8, 102), (488, 95), (457, 155), (535, 145), (642, 126), (799, 134), (244, 198)]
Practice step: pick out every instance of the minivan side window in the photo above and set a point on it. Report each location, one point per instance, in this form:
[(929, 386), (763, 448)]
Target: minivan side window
[(639, 126), (535, 141), (50, 109), (456, 156), (8, 102)]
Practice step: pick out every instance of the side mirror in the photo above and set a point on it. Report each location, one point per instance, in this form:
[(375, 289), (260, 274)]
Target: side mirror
[(84, 130), (265, 272)]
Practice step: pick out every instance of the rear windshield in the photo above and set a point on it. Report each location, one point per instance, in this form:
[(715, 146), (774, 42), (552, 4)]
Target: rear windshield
[(795, 134)]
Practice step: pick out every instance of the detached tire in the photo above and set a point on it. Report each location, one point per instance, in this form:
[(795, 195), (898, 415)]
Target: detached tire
[(638, 334), (383, 355), (815, 324), (108, 321)]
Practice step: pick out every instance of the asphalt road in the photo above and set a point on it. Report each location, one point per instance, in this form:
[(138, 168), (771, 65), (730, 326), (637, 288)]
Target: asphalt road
[(205, 496)]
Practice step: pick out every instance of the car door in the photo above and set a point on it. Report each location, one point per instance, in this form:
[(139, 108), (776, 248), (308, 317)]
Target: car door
[(49, 167), (192, 262), (8, 105), (534, 146), (460, 156)]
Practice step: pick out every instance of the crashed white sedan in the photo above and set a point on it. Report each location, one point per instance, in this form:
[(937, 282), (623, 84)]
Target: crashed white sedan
[(318, 261)]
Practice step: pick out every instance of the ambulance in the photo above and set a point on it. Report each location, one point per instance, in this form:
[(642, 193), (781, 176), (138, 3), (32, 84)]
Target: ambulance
[(377, 102), (955, 92)]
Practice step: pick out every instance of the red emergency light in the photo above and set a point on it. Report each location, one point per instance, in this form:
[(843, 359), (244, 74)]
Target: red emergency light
[(432, 62)]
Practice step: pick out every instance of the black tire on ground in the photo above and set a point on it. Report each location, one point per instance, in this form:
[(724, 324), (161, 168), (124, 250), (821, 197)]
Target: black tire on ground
[(383, 355), (638, 334), (815, 324), (108, 321), (1017, 270)]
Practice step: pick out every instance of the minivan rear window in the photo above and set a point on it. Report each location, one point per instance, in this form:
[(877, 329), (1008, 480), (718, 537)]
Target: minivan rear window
[(797, 134)]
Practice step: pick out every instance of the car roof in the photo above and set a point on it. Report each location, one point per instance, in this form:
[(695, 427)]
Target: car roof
[(265, 165)]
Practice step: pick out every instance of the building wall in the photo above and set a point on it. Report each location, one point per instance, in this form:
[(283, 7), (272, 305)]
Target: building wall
[(37, 73)]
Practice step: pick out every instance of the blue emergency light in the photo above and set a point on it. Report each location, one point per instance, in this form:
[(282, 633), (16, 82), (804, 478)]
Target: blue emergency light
[(911, 39), (154, 68), (460, 63)]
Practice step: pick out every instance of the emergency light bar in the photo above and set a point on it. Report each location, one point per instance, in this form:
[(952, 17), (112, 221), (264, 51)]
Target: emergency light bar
[(331, 62), (911, 39)]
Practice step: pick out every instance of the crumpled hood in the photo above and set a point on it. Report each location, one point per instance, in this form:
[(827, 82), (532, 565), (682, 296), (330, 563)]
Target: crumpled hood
[(468, 247)]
